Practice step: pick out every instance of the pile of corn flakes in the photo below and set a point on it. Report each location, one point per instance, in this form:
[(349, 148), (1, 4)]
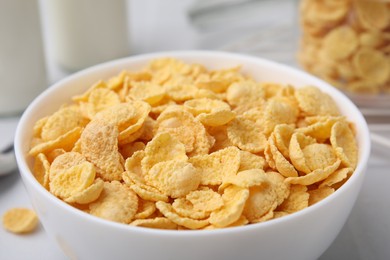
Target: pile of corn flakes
[(347, 42), (178, 146)]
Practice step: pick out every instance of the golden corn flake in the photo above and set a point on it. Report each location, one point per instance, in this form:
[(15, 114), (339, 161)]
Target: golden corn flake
[(145, 209), (98, 100), (296, 201), (344, 144), (373, 15), (65, 141), (245, 179), (319, 126), (216, 166), (281, 188), (178, 146), (340, 43), (159, 222), (120, 115), (180, 124), (314, 102), (337, 177), (278, 111), (148, 128), (319, 194), (221, 141), (250, 161), (282, 136), (128, 150), (281, 163), (38, 126), (61, 122), (318, 156), (73, 180), (146, 91), (323, 12), (148, 192), (64, 162), (116, 203), (20, 220), (88, 195), (246, 135), (133, 163), (234, 198), (298, 142), (246, 92), (205, 105), (314, 176), (142, 110), (205, 199), (185, 208), (174, 178), (181, 92), (372, 65), (164, 147), (217, 118), (167, 210), (42, 170), (262, 199), (99, 144), (53, 154)]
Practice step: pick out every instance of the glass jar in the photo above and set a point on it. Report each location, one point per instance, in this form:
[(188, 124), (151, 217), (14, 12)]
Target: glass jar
[(83, 33), (22, 59), (347, 43)]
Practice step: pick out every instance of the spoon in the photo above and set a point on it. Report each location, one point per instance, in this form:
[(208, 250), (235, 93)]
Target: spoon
[(7, 160)]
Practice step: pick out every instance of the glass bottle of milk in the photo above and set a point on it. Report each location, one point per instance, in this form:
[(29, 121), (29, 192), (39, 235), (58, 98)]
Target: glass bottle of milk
[(22, 61), (82, 33)]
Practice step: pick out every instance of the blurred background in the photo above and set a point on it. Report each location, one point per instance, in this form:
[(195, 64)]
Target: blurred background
[(266, 28)]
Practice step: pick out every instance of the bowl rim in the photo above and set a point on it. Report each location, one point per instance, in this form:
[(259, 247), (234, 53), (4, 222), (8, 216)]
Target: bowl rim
[(27, 174)]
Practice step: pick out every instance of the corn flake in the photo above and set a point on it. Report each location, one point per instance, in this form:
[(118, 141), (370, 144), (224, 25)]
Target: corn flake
[(319, 194), (313, 102), (216, 166), (164, 147), (167, 210), (73, 180), (296, 201), (314, 176), (245, 135), (20, 220), (146, 91), (205, 199), (185, 208), (344, 144), (145, 209), (99, 144), (42, 170), (234, 198), (88, 195), (336, 177), (174, 178), (159, 222), (61, 122), (116, 203)]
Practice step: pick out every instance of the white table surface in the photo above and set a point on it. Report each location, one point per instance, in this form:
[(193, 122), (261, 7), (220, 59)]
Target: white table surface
[(163, 25)]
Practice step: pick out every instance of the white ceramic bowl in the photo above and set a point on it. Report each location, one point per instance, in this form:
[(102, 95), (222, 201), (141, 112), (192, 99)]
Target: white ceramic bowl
[(302, 235)]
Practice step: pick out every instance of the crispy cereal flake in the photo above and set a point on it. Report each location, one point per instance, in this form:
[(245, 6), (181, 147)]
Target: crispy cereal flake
[(20, 220)]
